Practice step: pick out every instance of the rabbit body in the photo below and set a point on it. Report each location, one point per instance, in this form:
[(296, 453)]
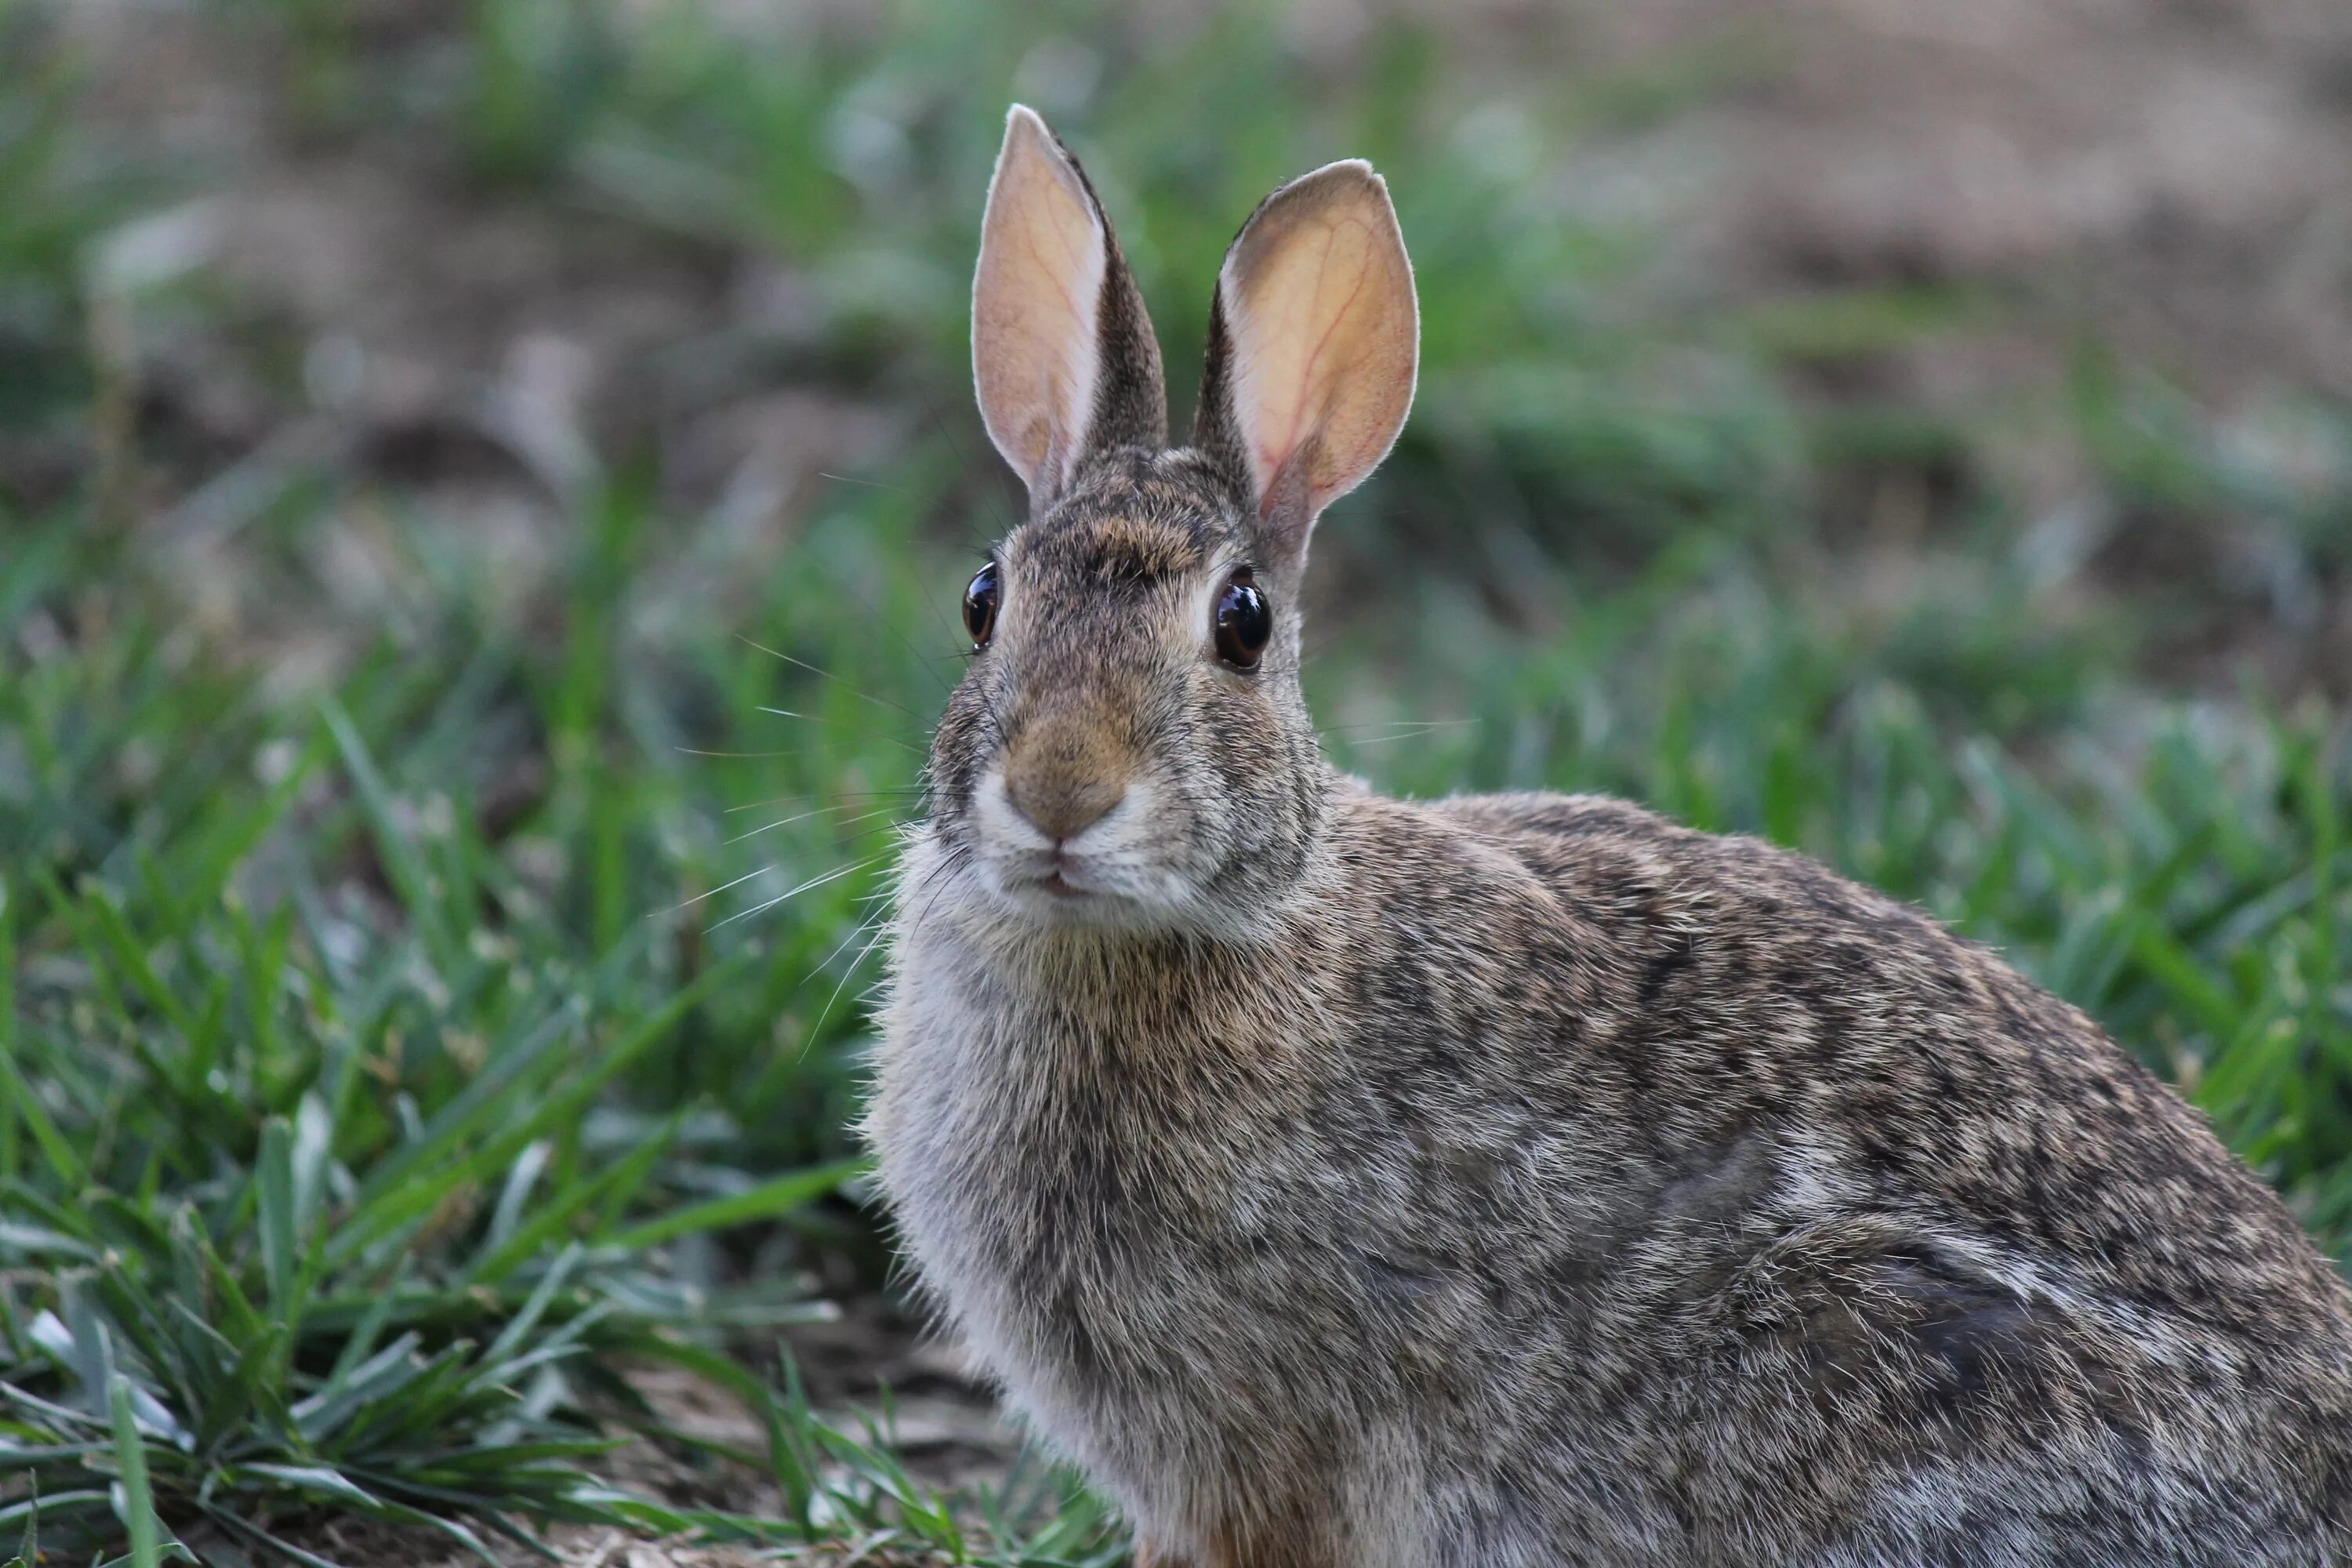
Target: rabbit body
[(1558, 1186), (1514, 1182)]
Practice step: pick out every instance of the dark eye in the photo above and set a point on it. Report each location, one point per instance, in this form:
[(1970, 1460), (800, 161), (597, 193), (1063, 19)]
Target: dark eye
[(1245, 621), (980, 604)]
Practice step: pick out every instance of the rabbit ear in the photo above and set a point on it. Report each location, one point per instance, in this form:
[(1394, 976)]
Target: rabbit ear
[(1313, 343), (1062, 351)]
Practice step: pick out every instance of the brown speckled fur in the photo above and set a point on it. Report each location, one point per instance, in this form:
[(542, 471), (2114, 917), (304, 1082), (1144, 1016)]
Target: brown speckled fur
[(1522, 1181)]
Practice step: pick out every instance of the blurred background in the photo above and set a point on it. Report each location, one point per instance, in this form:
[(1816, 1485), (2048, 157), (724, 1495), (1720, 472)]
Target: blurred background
[(484, 491)]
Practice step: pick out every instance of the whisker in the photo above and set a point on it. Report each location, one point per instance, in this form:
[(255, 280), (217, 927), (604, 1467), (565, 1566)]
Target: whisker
[(804, 816), (836, 724), (1388, 740), (870, 484), (851, 797), (892, 627), (873, 923), (963, 459), (828, 674), (754, 756), (1314, 645), (794, 892), (956, 857), (867, 833), (860, 928), (1409, 727), (713, 893)]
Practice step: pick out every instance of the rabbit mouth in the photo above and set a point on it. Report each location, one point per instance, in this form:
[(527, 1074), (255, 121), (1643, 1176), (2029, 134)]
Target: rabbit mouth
[(1080, 890), (1064, 879), (1108, 865)]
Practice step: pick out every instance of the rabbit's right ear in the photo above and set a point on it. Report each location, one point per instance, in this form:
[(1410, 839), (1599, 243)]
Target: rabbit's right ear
[(1062, 353), (1314, 340)]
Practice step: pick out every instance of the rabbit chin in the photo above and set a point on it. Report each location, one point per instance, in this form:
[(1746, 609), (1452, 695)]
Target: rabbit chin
[(1110, 874)]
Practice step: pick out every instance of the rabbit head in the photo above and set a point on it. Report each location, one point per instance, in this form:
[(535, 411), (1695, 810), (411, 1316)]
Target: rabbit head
[(1129, 746)]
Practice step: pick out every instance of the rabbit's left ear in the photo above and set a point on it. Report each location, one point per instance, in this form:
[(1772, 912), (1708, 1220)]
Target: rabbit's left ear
[(1313, 344), (1062, 353)]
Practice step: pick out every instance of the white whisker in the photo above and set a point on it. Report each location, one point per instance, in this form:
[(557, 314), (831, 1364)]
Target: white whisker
[(804, 816), (752, 756), (907, 792), (795, 892), (836, 724), (828, 674), (872, 922), (713, 893), (860, 928), (1412, 726), (1406, 731)]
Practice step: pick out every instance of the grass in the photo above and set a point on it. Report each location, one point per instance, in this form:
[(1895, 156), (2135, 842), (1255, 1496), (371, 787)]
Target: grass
[(398, 1062), (358, 1152)]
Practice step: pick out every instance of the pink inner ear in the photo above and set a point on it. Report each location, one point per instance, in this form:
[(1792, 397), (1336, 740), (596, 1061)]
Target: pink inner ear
[(1036, 301), (1320, 309)]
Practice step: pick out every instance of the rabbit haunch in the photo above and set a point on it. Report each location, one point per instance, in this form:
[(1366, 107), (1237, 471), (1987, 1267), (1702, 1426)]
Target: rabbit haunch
[(1512, 1181)]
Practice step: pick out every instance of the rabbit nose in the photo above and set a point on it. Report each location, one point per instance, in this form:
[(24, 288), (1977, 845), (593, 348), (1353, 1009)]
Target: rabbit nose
[(1065, 775), (1062, 808)]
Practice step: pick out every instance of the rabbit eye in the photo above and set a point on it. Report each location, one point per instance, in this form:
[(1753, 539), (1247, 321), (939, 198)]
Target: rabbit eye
[(980, 604), (1245, 621)]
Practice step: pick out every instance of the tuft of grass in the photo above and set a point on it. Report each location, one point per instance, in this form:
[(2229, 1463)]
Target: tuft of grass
[(347, 1156), (841, 1489)]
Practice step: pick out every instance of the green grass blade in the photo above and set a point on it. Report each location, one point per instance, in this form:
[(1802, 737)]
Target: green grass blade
[(138, 1502), (766, 1201), (274, 1186), (24, 1105), (32, 1509), (28, 1550), (622, 1180), (11, 1154)]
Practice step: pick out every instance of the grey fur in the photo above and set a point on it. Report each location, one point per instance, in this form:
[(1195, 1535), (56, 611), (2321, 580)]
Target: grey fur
[(1524, 1180)]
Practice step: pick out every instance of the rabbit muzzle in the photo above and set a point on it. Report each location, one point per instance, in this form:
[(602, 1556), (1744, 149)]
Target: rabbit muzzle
[(1064, 819)]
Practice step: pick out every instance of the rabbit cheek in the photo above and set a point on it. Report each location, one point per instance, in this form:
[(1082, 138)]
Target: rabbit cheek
[(963, 748), (1262, 773)]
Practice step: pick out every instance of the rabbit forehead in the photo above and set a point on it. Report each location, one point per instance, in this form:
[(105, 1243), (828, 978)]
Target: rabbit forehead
[(1115, 547), (1138, 518), (1100, 599)]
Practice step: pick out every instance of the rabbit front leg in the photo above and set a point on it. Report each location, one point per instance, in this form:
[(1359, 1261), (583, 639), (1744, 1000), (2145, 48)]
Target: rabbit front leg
[(1149, 1555)]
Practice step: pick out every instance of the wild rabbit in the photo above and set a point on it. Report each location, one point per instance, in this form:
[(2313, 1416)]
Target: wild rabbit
[(1507, 1181)]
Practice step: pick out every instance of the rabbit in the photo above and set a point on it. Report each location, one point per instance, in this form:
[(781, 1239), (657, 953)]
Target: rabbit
[(1501, 1182)]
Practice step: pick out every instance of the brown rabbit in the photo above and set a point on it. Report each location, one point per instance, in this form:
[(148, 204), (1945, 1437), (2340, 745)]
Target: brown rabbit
[(1503, 1181)]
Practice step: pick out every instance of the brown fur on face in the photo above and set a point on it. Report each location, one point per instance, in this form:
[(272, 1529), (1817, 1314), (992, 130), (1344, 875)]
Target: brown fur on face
[(1068, 767), (1128, 549)]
